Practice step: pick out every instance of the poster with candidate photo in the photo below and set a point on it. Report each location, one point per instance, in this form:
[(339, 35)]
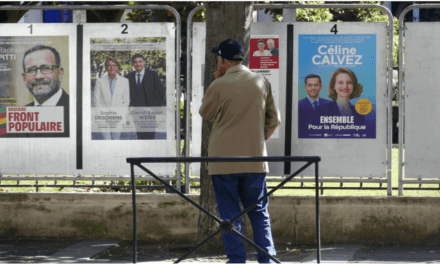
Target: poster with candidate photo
[(264, 59), (34, 87), (126, 114), (128, 91), (337, 86)]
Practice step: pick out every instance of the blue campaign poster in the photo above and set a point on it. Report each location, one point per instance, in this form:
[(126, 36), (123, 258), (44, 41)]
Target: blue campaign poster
[(337, 86)]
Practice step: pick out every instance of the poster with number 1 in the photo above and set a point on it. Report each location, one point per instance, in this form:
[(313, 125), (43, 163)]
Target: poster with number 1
[(34, 91)]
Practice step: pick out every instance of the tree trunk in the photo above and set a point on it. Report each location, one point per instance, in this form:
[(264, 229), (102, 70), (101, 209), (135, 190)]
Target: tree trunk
[(223, 20)]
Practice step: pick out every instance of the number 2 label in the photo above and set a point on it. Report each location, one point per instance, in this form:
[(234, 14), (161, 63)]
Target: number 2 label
[(125, 26)]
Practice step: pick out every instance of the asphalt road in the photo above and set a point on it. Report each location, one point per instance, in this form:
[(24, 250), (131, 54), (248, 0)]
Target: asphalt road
[(113, 251)]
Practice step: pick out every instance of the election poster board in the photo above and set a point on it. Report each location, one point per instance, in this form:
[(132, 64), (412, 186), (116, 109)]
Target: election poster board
[(347, 76), (420, 101), (337, 86), (37, 98), (129, 95), (268, 66)]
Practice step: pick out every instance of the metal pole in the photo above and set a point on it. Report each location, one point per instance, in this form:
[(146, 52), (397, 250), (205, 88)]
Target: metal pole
[(401, 98), (133, 193), (178, 92), (390, 104), (87, 7), (188, 134), (318, 223)]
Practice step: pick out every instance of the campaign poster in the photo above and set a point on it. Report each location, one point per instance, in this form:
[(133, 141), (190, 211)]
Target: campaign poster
[(264, 59), (128, 91), (34, 91), (337, 86)]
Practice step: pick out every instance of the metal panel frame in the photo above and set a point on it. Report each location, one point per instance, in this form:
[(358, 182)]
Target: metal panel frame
[(295, 6), (41, 152), (345, 157), (106, 156), (119, 7), (178, 88), (402, 102)]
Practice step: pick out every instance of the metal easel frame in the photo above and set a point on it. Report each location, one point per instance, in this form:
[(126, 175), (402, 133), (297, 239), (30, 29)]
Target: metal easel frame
[(225, 226)]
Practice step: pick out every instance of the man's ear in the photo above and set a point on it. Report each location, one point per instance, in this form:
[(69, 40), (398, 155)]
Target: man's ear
[(60, 73)]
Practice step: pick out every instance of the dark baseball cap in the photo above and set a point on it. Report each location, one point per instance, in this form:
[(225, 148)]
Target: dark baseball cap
[(230, 49)]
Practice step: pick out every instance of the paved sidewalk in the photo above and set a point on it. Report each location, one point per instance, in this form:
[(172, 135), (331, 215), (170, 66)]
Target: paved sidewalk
[(113, 251)]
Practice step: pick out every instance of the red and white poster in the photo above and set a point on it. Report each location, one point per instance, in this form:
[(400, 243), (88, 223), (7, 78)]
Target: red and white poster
[(32, 120), (264, 60)]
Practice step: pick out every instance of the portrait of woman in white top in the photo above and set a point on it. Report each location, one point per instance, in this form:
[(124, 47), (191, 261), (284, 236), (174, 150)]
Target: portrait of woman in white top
[(112, 91), (261, 51)]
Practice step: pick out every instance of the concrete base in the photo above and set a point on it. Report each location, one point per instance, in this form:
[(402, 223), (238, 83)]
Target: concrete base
[(167, 217)]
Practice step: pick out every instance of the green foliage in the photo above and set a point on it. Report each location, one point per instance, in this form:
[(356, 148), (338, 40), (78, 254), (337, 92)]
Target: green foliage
[(139, 15), (161, 15), (200, 16), (313, 14), (338, 14), (154, 59), (395, 40), (128, 40), (183, 8), (371, 15), (145, 40), (343, 14)]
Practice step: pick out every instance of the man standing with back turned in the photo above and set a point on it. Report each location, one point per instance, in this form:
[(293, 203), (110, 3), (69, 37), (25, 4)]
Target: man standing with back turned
[(241, 105)]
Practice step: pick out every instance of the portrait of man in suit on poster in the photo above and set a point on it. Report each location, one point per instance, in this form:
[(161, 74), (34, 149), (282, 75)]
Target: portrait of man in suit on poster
[(42, 75), (310, 108), (146, 89)]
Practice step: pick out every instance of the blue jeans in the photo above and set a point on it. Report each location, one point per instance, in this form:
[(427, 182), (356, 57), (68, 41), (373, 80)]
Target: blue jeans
[(247, 187)]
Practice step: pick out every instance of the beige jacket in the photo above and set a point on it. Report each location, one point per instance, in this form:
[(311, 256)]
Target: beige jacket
[(241, 106)]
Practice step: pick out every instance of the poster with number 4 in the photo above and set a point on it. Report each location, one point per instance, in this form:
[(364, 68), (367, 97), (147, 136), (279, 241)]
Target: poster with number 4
[(337, 85)]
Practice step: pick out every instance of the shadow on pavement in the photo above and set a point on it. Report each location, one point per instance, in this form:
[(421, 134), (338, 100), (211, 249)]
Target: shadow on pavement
[(148, 251)]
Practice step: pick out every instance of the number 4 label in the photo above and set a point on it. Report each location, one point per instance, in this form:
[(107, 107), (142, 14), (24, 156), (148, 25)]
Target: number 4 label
[(334, 29)]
